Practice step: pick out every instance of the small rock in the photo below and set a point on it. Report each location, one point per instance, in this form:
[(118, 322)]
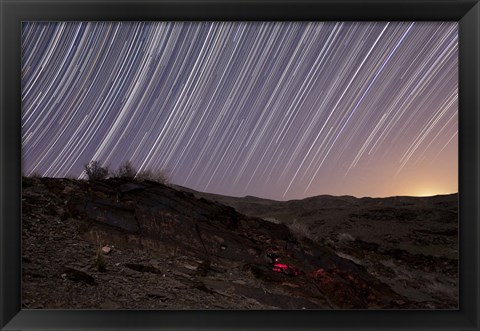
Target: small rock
[(106, 249), (290, 284), (143, 268), (157, 295), (79, 276), (130, 272)]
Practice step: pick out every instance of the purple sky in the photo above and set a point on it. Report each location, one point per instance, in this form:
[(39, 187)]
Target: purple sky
[(281, 110)]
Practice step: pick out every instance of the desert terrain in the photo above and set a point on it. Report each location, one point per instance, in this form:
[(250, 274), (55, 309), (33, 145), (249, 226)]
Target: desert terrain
[(124, 244)]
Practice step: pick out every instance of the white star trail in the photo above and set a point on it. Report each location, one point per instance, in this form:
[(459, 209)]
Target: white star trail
[(281, 110)]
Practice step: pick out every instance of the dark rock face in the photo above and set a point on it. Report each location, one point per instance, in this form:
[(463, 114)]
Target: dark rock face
[(172, 250)]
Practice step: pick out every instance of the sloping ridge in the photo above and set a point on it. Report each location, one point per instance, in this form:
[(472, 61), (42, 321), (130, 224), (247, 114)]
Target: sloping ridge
[(230, 249)]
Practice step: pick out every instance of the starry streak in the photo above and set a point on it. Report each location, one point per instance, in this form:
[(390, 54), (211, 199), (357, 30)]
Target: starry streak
[(281, 110)]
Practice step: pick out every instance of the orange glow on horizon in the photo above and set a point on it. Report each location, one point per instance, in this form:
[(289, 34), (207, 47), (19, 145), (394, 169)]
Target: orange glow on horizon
[(428, 192)]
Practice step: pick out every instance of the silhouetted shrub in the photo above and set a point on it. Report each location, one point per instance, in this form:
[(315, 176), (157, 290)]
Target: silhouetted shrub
[(159, 176), (95, 171), (126, 171)]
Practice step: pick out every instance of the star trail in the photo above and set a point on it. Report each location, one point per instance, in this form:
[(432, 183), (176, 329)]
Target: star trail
[(280, 110)]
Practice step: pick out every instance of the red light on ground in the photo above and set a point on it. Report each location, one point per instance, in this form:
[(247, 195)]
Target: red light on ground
[(283, 268)]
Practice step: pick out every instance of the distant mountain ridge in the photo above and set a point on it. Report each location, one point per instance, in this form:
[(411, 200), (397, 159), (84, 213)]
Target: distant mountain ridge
[(306, 208)]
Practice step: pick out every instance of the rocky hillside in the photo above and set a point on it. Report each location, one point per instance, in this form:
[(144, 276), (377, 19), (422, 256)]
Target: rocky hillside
[(410, 243), (117, 244)]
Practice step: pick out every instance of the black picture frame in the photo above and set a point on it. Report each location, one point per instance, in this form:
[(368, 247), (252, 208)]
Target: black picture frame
[(13, 12)]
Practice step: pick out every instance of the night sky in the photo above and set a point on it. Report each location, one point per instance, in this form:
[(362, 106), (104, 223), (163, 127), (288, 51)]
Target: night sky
[(280, 110)]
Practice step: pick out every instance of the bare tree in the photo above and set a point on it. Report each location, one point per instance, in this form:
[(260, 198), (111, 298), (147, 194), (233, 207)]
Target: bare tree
[(126, 171), (95, 171)]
